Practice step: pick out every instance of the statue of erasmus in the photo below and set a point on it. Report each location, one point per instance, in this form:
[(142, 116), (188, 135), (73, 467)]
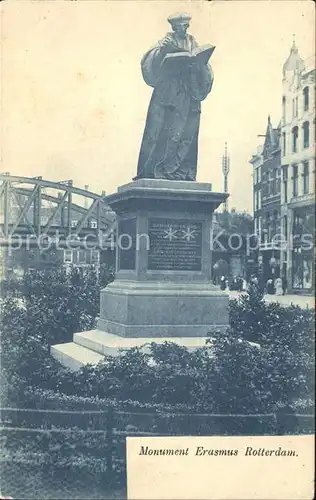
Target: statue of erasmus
[(178, 70)]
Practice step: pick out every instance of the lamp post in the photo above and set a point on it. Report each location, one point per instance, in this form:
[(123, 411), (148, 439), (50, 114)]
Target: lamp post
[(272, 263), (225, 170), (261, 272)]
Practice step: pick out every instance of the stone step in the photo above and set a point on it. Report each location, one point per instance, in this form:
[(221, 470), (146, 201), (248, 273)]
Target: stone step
[(90, 347), (108, 344), (74, 356)]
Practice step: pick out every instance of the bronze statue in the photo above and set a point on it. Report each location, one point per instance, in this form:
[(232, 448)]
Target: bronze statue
[(178, 70)]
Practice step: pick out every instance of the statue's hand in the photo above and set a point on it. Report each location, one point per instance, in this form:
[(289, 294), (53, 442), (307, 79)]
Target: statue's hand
[(167, 43)]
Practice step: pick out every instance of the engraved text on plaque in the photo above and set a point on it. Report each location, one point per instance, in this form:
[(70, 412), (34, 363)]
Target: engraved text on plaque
[(175, 245)]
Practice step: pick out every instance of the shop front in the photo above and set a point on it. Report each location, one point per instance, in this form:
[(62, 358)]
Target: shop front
[(303, 266), (302, 270), (269, 261)]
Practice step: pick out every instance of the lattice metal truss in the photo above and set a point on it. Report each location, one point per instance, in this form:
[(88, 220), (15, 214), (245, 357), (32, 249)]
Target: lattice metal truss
[(34, 207)]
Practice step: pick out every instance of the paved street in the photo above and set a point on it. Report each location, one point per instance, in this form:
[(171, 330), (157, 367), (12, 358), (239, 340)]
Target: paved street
[(286, 300)]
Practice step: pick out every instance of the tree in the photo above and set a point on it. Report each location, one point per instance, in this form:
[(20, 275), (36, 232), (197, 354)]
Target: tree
[(235, 222)]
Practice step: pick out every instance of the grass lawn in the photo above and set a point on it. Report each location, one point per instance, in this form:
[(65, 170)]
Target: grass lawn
[(24, 482)]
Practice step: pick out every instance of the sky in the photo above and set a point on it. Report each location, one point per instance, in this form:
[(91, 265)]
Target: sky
[(74, 104)]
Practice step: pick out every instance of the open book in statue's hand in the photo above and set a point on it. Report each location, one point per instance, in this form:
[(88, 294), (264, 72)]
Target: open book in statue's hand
[(176, 61)]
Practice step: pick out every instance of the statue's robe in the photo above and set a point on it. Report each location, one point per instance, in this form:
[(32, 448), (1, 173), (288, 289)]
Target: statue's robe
[(170, 141)]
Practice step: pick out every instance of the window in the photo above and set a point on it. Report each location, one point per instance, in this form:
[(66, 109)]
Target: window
[(284, 108), (93, 224), (285, 228), (285, 182), (257, 200), (305, 177), (44, 220), (285, 173), (274, 182), (302, 270), (274, 223), (82, 257), (295, 107), (257, 176), (284, 143), (68, 256), (295, 180), (95, 256), (73, 223), (266, 184), (306, 98), (263, 184), (269, 226), (278, 181), (294, 139), (305, 134)]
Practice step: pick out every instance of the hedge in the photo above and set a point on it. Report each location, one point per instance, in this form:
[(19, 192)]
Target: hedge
[(236, 378)]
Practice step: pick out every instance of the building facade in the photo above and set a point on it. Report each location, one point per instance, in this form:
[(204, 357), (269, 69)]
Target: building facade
[(266, 165), (284, 183), (298, 172)]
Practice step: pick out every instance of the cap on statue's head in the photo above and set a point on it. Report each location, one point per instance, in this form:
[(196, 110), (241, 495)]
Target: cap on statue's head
[(179, 18)]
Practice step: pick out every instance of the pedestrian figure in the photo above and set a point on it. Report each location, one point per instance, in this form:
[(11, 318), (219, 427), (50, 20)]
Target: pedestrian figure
[(223, 283), (240, 284), (233, 284), (278, 286), (254, 280), (270, 287), (284, 284)]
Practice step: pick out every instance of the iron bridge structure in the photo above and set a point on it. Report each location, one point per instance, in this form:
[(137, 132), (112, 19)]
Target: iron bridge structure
[(32, 209)]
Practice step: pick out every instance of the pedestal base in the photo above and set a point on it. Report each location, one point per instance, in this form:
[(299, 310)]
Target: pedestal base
[(162, 291), (91, 347), (160, 309)]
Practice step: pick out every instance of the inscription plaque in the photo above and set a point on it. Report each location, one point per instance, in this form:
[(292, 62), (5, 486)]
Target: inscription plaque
[(126, 244), (175, 245)]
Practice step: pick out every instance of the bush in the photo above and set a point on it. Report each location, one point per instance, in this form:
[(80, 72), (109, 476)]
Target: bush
[(44, 308), (59, 303), (161, 390), (270, 324), (227, 376)]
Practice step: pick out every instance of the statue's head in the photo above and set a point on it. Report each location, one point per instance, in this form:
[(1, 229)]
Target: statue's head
[(180, 23)]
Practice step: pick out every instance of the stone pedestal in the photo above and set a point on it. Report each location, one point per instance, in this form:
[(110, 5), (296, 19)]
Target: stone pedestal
[(163, 288), (164, 260)]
